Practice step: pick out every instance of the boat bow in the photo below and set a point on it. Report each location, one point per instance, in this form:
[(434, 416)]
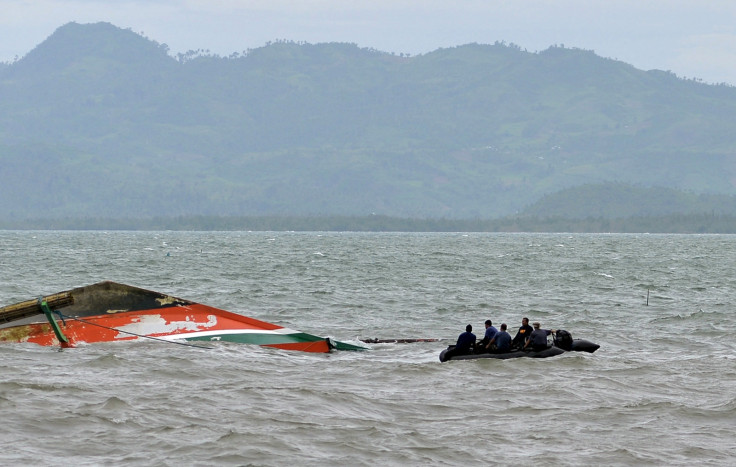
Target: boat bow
[(109, 312)]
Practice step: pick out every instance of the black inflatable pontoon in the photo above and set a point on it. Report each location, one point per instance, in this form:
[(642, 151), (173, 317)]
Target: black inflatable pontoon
[(558, 347)]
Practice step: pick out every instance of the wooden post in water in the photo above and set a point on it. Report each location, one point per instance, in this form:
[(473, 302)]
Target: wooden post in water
[(647, 297)]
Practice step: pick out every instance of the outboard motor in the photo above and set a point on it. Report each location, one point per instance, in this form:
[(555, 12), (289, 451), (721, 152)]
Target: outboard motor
[(563, 339)]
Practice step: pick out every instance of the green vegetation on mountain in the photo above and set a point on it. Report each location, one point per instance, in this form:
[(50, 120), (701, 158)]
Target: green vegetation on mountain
[(618, 200), (100, 122)]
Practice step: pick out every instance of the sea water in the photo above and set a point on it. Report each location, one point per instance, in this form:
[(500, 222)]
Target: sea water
[(661, 390)]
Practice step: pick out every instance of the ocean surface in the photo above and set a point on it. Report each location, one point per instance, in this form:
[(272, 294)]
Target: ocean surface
[(661, 390)]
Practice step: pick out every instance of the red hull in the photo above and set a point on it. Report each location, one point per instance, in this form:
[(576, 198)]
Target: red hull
[(110, 312)]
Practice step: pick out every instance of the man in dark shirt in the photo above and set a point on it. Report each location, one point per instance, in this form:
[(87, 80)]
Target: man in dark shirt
[(464, 345), (538, 338), (523, 334), (465, 341)]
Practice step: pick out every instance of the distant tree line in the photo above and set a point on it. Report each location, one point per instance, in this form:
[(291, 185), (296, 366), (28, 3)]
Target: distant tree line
[(675, 223)]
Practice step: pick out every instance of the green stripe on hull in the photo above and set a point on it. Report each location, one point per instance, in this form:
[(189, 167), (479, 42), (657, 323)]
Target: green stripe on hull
[(257, 338), (344, 346)]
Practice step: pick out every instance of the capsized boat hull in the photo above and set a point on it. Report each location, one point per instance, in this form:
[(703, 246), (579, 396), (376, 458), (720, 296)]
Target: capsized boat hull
[(111, 312)]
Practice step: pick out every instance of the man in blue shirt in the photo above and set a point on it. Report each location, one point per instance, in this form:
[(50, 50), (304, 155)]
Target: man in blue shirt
[(501, 341), (490, 334)]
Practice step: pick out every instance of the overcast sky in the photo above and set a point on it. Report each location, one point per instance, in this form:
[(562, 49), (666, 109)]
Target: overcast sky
[(692, 38)]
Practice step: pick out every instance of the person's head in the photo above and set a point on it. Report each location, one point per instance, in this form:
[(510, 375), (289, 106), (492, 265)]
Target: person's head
[(525, 321), (488, 323), (469, 328), (536, 325), (503, 327)]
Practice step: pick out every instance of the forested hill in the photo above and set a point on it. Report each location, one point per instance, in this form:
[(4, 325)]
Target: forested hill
[(101, 121)]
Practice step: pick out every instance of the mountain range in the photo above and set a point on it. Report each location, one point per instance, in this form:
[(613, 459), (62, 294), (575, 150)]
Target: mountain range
[(99, 121)]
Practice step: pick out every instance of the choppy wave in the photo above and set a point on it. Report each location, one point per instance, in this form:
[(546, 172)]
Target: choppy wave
[(658, 392)]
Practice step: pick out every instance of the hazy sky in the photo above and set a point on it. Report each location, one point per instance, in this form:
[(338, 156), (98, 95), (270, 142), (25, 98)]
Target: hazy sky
[(692, 38)]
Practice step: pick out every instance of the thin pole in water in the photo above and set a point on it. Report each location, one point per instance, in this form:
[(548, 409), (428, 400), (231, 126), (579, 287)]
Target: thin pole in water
[(647, 297)]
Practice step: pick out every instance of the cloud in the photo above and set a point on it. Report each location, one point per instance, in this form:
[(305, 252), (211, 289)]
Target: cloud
[(704, 55)]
